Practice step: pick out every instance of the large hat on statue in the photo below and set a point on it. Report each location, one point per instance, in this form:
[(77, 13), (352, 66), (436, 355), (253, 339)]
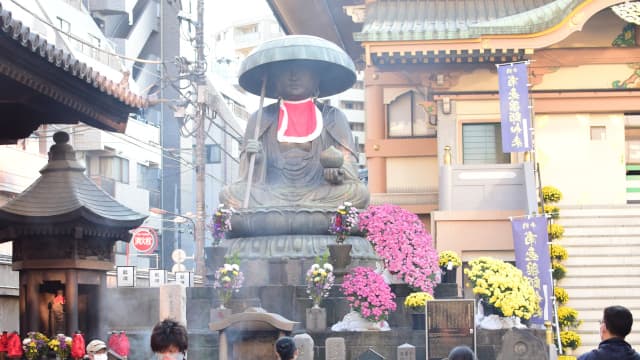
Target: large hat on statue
[(335, 68)]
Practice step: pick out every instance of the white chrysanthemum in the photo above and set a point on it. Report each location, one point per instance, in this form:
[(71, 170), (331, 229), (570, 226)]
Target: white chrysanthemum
[(328, 267)]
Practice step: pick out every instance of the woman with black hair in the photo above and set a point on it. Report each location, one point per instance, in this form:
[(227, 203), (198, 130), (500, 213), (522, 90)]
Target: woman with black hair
[(286, 348), (461, 353)]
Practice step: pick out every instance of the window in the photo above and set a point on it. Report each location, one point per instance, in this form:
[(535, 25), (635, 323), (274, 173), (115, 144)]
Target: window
[(359, 84), (115, 168), (148, 177), (356, 126), (352, 105), (406, 118), (213, 154), (482, 144)]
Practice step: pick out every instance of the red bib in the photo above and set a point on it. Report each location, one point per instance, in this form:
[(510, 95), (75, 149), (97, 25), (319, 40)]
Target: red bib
[(299, 121)]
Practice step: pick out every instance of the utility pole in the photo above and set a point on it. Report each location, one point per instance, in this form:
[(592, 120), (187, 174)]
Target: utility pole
[(201, 109)]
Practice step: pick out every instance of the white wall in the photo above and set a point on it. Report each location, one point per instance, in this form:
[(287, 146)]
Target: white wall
[(588, 172)]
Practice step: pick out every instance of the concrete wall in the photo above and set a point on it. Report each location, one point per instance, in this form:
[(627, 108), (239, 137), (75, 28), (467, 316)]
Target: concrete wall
[(9, 301)]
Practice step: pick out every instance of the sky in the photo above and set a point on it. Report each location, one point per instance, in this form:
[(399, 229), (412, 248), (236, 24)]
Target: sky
[(221, 13)]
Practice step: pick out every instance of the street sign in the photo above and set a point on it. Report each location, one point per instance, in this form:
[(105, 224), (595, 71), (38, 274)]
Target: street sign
[(145, 240)]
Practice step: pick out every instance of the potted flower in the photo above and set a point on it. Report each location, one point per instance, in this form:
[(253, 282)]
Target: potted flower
[(503, 288), (400, 239), (449, 262), (369, 296), (319, 280), (568, 317), (61, 345), (416, 302), (35, 345), (227, 280), (569, 340)]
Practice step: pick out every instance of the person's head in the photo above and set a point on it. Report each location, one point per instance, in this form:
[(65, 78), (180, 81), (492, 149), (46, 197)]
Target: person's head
[(169, 340), (616, 322), (286, 348), (296, 79), (461, 353), (97, 350)]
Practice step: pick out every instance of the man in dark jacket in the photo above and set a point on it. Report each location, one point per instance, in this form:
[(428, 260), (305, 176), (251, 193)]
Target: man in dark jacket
[(614, 327)]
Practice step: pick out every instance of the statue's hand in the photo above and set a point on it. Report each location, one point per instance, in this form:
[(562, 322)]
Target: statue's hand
[(334, 176), (253, 146)]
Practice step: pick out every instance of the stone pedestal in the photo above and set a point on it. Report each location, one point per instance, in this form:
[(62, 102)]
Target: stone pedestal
[(316, 319)]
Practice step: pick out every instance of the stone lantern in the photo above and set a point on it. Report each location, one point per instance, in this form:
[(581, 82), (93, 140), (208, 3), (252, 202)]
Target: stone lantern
[(63, 229)]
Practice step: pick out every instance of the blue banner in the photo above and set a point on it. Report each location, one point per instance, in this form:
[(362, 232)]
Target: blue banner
[(514, 107), (531, 246)]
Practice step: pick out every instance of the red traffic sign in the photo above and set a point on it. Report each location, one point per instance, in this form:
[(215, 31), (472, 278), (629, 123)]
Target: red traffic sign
[(145, 240)]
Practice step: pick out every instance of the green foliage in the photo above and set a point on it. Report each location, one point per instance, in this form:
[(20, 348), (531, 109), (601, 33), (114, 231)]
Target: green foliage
[(322, 259), (233, 258), (559, 271), (558, 252), (551, 194), (562, 296), (556, 231)]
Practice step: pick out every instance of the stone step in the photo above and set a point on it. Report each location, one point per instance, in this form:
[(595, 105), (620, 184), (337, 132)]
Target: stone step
[(602, 260), (608, 250), (579, 221), (599, 273), (612, 281), (594, 212), (615, 294), (602, 231), (596, 241), (600, 302)]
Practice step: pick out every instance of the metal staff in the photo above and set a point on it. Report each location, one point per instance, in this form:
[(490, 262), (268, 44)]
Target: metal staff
[(256, 133)]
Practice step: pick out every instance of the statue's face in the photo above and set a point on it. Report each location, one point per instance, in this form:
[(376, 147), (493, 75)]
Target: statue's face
[(295, 80)]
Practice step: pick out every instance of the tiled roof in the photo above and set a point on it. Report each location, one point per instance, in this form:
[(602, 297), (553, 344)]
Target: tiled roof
[(406, 20), (20, 33), (65, 193)]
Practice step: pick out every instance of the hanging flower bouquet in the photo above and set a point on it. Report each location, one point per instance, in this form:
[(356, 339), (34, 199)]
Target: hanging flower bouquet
[(320, 279), (400, 239), (344, 220), (35, 345), (502, 286), (368, 294), (61, 345), (227, 280), (221, 223)]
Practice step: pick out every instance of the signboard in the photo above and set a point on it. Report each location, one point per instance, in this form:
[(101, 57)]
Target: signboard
[(450, 323), (145, 240), (514, 107), (531, 247), (157, 277), (126, 276), (185, 278)]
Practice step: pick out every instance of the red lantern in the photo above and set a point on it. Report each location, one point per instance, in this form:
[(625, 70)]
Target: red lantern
[(77, 346), (14, 346)]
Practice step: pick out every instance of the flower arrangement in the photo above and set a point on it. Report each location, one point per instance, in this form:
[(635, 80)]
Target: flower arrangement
[(556, 231), (570, 339), (558, 271), (221, 223), (568, 317), (551, 194), (562, 296), (449, 259), (416, 301), (35, 345), (558, 252), (552, 210), (400, 239), (320, 279), (368, 294), (344, 220), (61, 345), (503, 286), (227, 280)]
